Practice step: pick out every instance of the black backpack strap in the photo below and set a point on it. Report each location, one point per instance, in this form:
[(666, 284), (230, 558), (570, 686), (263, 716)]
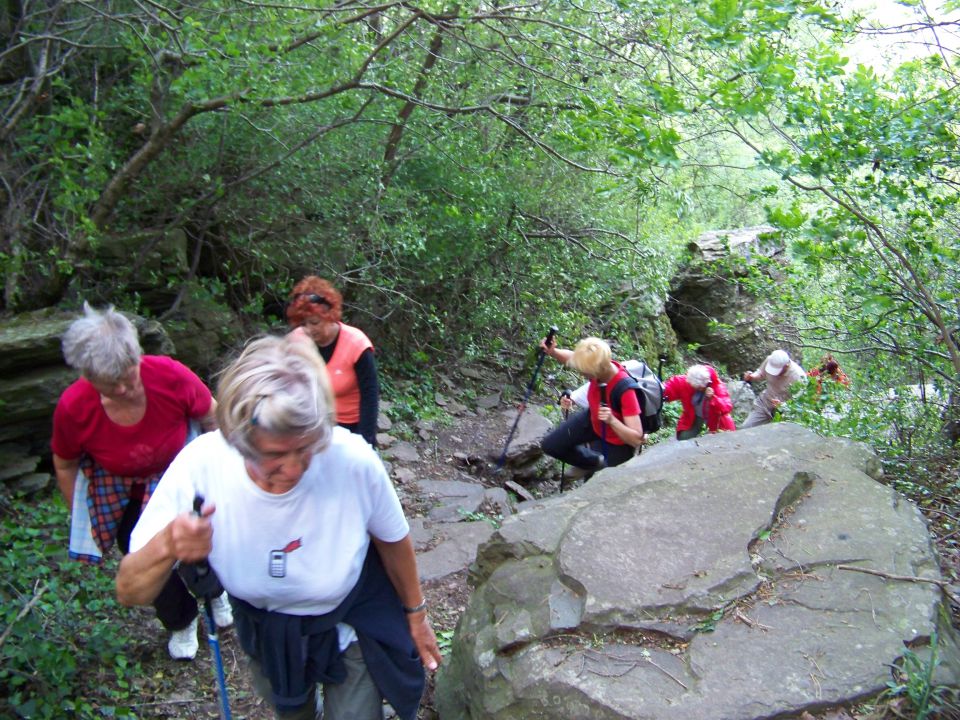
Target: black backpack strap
[(627, 383)]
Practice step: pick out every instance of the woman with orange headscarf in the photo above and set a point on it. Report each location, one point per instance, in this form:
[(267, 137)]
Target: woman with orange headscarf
[(314, 312), (829, 368)]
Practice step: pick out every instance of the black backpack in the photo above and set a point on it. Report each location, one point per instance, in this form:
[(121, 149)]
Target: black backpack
[(649, 389)]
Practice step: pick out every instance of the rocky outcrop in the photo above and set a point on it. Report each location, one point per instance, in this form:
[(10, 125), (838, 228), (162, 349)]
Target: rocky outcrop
[(715, 578), (709, 304)]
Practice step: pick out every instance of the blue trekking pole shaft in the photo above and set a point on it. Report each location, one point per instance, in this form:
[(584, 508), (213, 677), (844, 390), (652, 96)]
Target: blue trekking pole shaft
[(203, 568), (214, 641), (526, 396)]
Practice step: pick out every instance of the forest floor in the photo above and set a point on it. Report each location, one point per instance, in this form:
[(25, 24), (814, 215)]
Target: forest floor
[(171, 689)]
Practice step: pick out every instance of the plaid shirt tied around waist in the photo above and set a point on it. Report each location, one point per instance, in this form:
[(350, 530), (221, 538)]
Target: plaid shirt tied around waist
[(107, 498)]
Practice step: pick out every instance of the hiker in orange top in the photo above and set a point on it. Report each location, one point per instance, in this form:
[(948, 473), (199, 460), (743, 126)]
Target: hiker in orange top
[(314, 312), (829, 368)]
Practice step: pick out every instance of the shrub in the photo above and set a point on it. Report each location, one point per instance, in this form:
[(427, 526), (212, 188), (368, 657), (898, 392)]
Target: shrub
[(62, 653)]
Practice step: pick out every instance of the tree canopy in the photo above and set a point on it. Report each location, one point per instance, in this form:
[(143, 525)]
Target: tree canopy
[(462, 169)]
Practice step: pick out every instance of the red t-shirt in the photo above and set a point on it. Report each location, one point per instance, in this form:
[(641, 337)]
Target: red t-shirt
[(174, 395), (629, 405)]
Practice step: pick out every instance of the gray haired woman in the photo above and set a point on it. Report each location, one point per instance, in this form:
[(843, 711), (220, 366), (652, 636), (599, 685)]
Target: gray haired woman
[(306, 533), (115, 430), (705, 400)]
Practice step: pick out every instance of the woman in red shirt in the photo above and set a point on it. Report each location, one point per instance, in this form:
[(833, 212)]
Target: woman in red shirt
[(617, 431), (115, 431)]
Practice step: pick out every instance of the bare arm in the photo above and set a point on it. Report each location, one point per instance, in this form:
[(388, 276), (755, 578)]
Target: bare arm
[(561, 355), (209, 421), (142, 574), (630, 430), (66, 472), (400, 563)]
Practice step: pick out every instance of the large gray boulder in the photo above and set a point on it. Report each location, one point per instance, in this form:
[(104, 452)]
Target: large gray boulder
[(710, 304), (702, 580)]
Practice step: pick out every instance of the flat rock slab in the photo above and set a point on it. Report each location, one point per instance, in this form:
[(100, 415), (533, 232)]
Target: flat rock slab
[(452, 499), (401, 452), (525, 443), (456, 547), (704, 580), (458, 500)]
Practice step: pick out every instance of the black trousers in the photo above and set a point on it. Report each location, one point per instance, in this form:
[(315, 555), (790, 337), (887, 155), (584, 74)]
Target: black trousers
[(575, 443), (176, 607)]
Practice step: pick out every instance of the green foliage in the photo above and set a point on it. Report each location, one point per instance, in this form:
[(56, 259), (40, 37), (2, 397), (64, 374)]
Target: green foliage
[(62, 655), (468, 182), (445, 641), (471, 516), (915, 680), (412, 401), (709, 623)]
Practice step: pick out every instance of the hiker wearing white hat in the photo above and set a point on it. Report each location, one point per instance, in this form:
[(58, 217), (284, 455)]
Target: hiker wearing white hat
[(780, 372)]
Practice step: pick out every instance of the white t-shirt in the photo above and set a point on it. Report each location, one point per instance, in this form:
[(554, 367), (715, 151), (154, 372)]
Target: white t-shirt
[(300, 552)]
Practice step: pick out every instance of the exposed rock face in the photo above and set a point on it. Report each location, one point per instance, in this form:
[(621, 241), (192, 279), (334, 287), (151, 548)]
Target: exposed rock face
[(201, 329), (523, 458), (709, 305), (699, 581)]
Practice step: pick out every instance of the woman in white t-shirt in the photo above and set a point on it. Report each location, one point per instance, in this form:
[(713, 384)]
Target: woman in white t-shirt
[(306, 533)]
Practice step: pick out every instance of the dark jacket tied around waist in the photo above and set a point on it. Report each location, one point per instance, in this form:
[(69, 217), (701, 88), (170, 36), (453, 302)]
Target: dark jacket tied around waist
[(297, 651)]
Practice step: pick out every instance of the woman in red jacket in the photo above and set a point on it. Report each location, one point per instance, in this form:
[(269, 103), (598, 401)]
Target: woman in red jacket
[(705, 399)]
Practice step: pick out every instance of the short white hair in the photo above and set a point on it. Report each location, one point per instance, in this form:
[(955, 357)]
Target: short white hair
[(698, 376), (102, 346), (278, 385)]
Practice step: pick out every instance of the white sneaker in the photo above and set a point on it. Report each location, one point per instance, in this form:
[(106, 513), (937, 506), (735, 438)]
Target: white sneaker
[(222, 612), (183, 644)]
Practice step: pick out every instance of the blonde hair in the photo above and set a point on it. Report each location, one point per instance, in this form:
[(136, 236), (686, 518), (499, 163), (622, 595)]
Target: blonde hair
[(279, 385), (698, 376), (591, 356)]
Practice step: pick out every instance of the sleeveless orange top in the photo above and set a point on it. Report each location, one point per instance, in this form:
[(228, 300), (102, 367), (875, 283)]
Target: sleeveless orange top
[(351, 343)]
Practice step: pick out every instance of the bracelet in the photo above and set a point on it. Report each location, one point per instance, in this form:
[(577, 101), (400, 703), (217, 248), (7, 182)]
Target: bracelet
[(419, 608)]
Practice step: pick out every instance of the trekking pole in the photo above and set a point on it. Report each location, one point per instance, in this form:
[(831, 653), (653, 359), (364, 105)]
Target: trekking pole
[(603, 425), (523, 404), (563, 465), (206, 586)]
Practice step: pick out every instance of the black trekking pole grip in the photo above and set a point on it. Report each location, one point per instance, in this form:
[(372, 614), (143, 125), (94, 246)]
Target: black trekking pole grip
[(552, 332), (203, 567), (603, 426), (199, 576)]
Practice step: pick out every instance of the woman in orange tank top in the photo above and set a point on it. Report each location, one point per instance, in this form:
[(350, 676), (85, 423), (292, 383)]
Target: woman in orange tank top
[(314, 311)]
